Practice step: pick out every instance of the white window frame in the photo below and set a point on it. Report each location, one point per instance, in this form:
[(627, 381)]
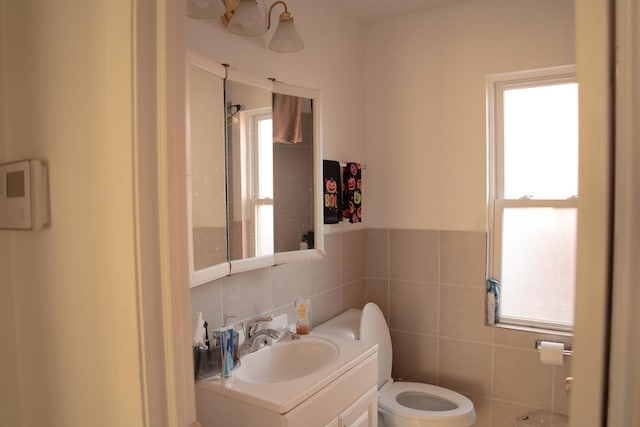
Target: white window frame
[(496, 85), (251, 121)]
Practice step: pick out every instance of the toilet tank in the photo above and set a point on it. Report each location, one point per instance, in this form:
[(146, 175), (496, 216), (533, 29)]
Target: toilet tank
[(345, 324)]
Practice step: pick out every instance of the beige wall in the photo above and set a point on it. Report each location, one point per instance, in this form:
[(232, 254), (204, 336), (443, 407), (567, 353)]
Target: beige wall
[(424, 109), (594, 51), (10, 411), (10, 389), (68, 94), (430, 285)]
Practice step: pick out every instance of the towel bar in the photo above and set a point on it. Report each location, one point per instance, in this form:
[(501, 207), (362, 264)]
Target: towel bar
[(363, 165)]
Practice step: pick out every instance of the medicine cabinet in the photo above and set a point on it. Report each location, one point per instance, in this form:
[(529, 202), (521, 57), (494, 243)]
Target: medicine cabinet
[(254, 199), (205, 154)]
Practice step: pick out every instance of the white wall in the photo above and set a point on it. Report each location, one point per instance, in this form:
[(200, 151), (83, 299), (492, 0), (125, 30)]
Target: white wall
[(424, 109), (68, 100)]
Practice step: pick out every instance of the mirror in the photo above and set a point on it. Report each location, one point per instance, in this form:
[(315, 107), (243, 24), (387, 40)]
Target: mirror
[(298, 183), (253, 190), (250, 175), (273, 152), (207, 214), (293, 173)]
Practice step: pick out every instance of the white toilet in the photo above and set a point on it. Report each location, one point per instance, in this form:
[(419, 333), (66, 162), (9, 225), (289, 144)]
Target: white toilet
[(400, 404)]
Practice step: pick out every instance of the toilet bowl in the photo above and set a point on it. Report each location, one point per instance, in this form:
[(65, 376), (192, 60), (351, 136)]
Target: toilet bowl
[(400, 404)]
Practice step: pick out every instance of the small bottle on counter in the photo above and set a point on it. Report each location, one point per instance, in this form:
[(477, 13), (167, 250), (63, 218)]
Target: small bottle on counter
[(302, 316), (303, 245)]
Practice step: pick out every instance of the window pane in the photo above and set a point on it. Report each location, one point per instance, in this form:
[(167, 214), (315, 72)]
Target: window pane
[(541, 142), (538, 263), (265, 159), (264, 230)]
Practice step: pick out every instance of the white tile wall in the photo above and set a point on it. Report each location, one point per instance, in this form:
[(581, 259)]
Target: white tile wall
[(433, 295)]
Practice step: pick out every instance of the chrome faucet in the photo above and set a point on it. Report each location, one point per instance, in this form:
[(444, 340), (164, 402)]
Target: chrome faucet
[(259, 339), (251, 329), (256, 339)]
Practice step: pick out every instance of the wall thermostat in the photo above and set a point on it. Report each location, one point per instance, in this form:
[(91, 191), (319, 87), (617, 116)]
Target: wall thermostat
[(24, 195)]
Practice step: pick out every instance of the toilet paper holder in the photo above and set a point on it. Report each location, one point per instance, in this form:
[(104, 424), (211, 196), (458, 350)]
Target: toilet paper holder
[(568, 348)]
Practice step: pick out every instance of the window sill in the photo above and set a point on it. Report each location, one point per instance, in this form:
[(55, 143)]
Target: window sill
[(533, 330)]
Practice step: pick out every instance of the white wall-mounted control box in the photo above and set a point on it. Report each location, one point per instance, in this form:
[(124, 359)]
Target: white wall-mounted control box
[(24, 195)]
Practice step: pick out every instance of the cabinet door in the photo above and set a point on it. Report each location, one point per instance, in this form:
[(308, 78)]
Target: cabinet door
[(334, 423), (363, 412)]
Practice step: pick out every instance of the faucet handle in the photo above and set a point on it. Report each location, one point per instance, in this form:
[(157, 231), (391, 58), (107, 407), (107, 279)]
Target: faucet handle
[(226, 317), (254, 324)]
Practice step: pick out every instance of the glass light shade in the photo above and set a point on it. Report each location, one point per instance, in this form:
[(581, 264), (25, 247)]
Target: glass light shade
[(248, 20), (286, 38), (201, 9)]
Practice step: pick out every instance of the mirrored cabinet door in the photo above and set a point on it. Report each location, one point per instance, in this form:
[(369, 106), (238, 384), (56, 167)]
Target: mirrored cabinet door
[(250, 201), (273, 152), (297, 155), (293, 173), (206, 170), (253, 172)]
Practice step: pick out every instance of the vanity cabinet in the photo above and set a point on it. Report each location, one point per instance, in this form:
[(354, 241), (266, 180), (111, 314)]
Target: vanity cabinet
[(347, 399), (350, 400), (363, 412)]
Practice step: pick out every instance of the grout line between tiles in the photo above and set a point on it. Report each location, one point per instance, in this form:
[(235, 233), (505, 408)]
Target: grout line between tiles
[(388, 278), (525, 405), (553, 388), (438, 309)]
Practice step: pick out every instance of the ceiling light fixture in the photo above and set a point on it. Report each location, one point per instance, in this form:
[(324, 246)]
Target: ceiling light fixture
[(244, 17)]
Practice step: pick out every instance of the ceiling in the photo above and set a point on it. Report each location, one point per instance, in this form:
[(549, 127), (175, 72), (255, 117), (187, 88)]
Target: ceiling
[(373, 10)]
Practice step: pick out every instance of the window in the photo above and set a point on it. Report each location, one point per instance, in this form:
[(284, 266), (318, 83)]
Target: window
[(258, 133), (533, 177), (263, 186)]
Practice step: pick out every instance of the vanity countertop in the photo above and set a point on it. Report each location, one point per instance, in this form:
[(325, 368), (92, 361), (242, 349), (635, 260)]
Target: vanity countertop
[(283, 396)]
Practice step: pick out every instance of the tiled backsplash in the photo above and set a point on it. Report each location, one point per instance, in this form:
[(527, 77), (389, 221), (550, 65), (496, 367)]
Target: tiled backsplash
[(430, 285), (334, 284)]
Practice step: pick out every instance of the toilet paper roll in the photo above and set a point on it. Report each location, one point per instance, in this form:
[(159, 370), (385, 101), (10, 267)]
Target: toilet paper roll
[(551, 353)]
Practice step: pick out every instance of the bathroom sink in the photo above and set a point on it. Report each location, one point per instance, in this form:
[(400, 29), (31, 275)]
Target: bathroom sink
[(282, 376), (286, 361)]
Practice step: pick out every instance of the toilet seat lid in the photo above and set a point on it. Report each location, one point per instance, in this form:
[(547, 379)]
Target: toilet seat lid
[(447, 404), (373, 328)]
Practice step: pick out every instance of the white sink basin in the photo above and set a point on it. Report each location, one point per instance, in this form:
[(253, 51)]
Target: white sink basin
[(280, 377), (286, 361)]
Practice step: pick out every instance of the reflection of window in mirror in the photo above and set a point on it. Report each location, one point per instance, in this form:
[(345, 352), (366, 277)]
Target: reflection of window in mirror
[(250, 194), (259, 129), (263, 185)]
